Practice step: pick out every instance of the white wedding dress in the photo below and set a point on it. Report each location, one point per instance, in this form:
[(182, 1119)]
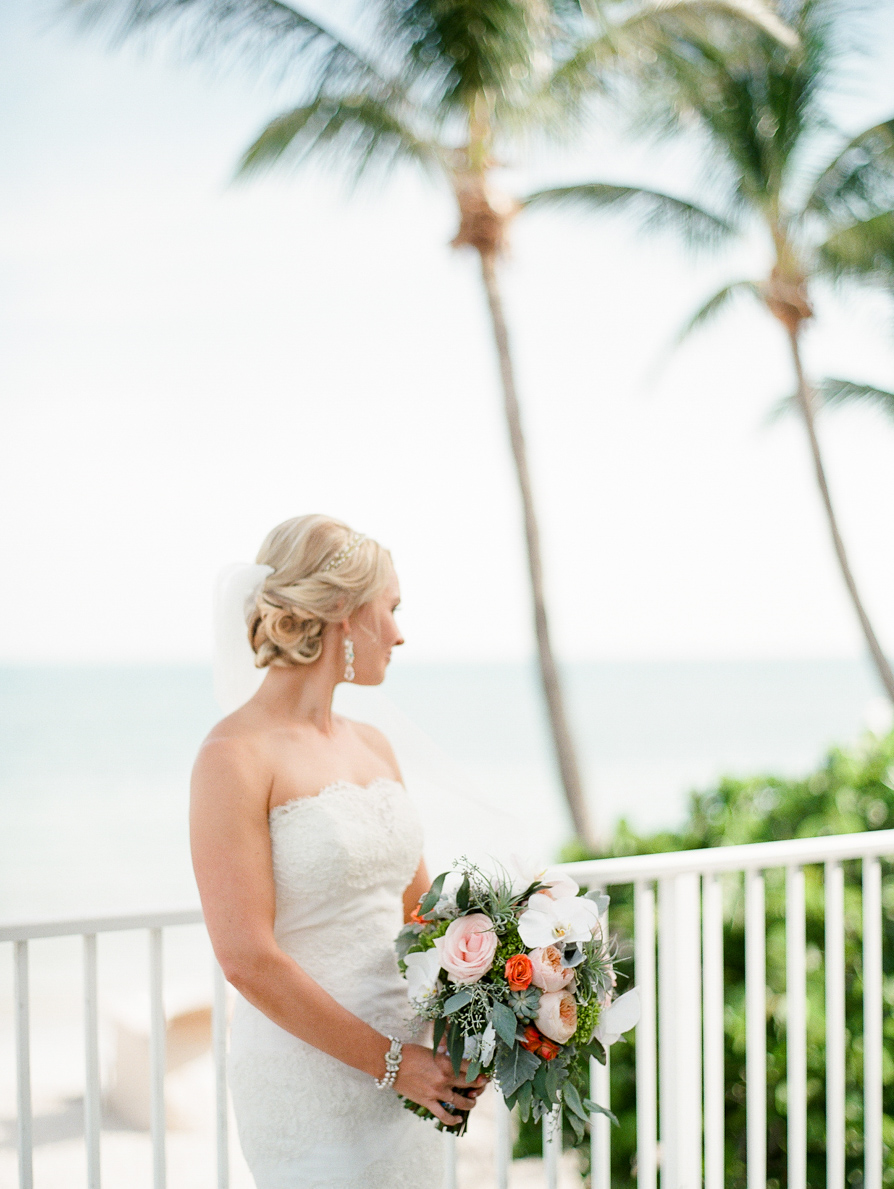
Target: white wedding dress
[(341, 863)]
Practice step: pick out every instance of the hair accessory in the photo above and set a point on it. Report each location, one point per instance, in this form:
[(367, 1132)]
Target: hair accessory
[(349, 659), (343, 554), (236, 678), (393, 1058)]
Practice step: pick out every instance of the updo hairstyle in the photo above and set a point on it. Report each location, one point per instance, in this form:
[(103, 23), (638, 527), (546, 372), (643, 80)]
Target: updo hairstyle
[(296, 601)]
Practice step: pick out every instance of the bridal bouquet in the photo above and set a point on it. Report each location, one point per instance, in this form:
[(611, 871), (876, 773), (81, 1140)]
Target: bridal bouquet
[(518, 980)]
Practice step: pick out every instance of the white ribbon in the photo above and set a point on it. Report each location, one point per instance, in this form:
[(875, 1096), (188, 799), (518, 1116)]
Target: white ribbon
[(235, 677)]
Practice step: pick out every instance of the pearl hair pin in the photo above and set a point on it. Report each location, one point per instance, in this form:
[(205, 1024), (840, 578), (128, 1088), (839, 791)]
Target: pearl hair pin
[(343, 554)]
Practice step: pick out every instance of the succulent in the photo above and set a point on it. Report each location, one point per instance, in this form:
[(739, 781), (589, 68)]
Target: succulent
[(525, 1004)]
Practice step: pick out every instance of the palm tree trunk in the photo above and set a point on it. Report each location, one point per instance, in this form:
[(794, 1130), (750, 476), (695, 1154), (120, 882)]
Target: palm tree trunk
[(549, 674), (805, 402)]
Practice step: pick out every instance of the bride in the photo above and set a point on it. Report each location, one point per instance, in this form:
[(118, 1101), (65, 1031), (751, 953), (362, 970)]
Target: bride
[(307, 854)]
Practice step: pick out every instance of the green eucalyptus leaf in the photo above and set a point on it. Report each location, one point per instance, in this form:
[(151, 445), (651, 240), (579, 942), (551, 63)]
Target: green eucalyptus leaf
[(439, 1030), (433, 895), (595, 1109), (505, 1023), (573, 1102), (462, 895), (455, 1002)]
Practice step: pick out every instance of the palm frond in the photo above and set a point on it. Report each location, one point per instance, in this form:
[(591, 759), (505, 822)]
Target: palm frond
[(833, 391), (654, 209), (358, 133), (860, 179), (862, 251), (637, 43), (458, 51), (716, 304), (269, 35)]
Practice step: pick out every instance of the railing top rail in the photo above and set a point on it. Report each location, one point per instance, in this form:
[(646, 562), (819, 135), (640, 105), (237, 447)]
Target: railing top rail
[(754, 856), (72, 926)]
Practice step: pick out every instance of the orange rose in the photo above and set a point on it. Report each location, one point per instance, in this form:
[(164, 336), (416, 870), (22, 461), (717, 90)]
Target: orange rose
[(531, 1039), (519, 972), (415, 917), (535, 1042), (548, 1050)]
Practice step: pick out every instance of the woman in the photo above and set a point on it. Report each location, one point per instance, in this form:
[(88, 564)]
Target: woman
[(307, 856)]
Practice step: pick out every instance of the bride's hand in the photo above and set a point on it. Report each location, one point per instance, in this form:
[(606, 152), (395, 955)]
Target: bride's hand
[(429, 1080)]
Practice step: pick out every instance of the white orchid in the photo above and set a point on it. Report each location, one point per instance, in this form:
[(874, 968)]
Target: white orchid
[(620, 1016), (557, 922), (423, 983), (558, 885), (524, 871)]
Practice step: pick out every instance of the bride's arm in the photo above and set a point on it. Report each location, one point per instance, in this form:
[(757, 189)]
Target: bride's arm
[(234, 871), (416, 890)]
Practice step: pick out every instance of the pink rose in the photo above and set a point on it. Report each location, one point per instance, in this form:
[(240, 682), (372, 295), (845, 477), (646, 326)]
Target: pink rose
[(557, 1016), (549, 973), (467, 948)]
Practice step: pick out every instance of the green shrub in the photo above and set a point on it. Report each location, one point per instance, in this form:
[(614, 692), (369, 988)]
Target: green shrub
[(852, 791)]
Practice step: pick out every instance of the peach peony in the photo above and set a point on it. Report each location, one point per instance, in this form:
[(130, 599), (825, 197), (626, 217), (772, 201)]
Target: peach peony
[(548, 972), (467, 948), (557, 1016)]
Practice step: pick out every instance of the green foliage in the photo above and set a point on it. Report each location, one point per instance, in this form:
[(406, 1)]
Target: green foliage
[(852, 791), (587, 1019), (510, 945)]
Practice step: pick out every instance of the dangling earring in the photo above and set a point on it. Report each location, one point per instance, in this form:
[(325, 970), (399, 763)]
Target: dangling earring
[(349, 659)]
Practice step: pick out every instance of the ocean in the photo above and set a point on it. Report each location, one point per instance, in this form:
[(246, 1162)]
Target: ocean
[(95, 762)]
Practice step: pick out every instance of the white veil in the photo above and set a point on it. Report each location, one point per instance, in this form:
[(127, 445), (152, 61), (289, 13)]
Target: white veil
[(458, 816)]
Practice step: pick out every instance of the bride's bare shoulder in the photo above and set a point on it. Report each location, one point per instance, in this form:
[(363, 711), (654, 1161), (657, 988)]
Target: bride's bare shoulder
[(238, 743)]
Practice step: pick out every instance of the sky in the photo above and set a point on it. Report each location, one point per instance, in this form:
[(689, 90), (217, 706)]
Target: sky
[(185, 362)]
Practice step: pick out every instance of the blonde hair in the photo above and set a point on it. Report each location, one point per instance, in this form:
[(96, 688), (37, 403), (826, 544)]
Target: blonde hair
[(302, 595)]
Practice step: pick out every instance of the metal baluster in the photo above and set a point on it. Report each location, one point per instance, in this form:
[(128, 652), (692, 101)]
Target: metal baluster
[(667, 1056), (503, 1139), (92, 1089), (756, 1030), (646, 1070), (552, 1146), (23, 1067), (450, 1162), (712, 983), (600, 1126), (219, 1043), (796, 1027), (872, 1023), (835, 1054), (157, 1059), (687, 976), (600, 1136)]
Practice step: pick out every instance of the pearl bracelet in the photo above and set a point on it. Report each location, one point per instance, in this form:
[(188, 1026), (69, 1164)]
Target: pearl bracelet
[(392, 1064)]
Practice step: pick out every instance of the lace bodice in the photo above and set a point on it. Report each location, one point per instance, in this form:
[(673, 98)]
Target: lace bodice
[(341, 863)]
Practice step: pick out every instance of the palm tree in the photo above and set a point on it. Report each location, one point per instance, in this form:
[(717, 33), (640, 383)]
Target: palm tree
[(761, 113), (455, 84)]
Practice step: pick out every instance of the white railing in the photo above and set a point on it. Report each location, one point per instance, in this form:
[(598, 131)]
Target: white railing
[(680, 1080)]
